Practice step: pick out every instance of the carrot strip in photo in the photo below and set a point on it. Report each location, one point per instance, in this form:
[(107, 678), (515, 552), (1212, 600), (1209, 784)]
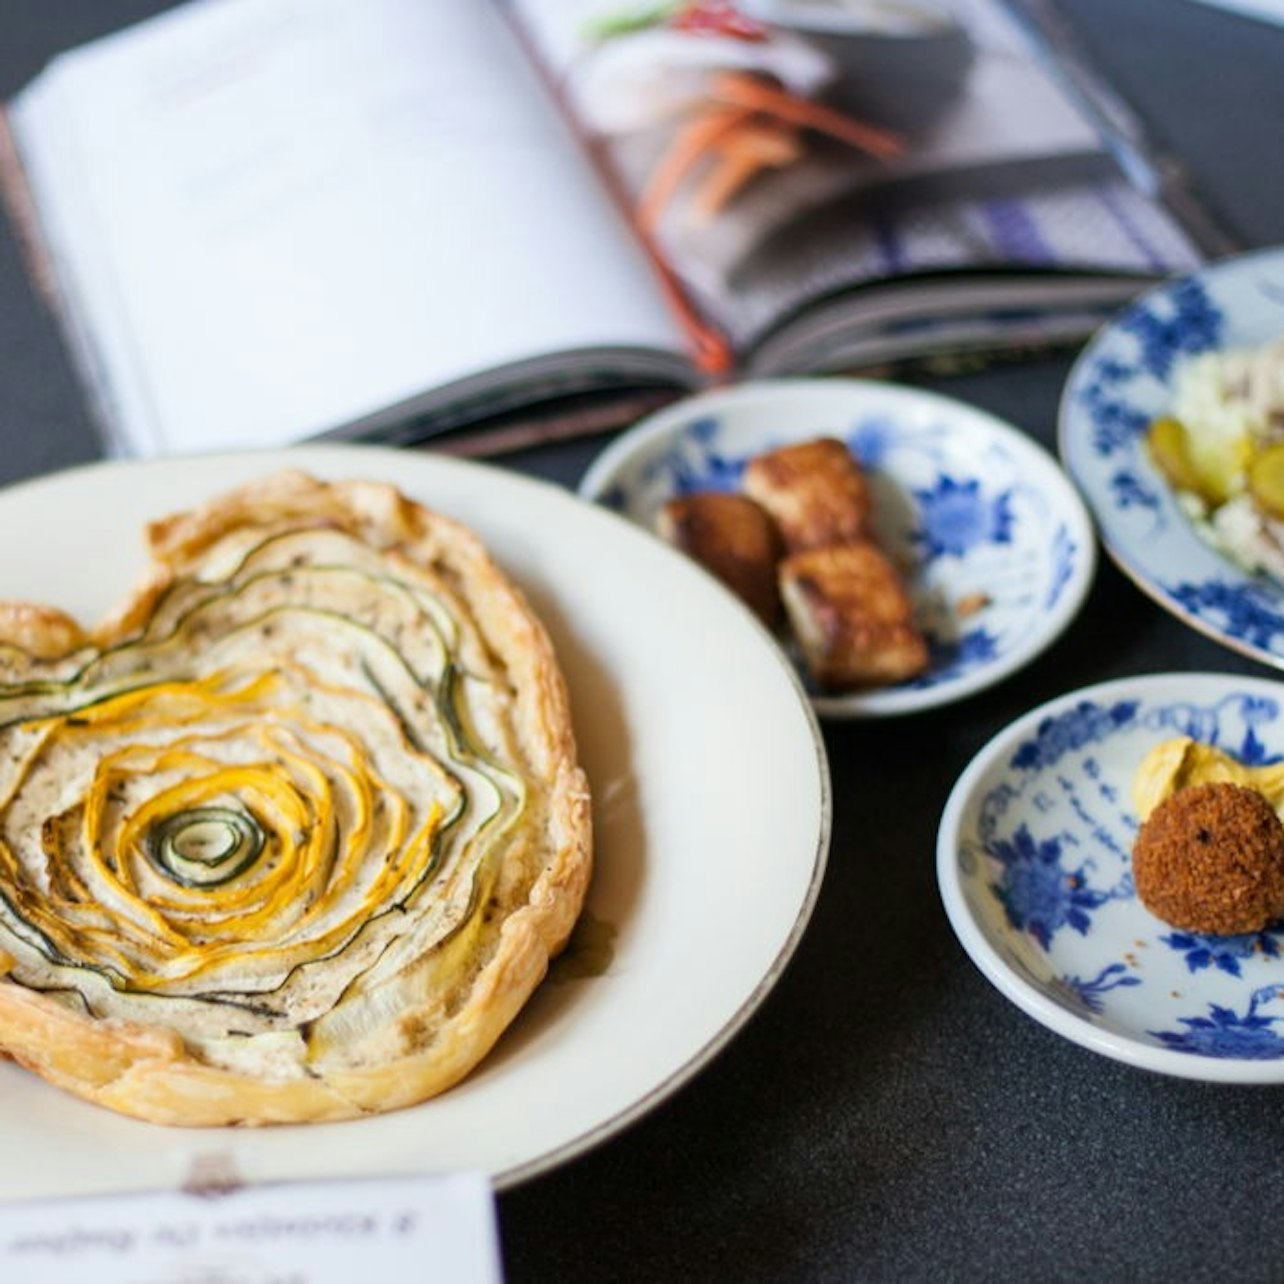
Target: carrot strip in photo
[(692, 143), (754, 93), (742, 154)]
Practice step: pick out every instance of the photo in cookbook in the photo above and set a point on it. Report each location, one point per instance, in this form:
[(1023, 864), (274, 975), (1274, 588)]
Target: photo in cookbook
[(933, 167)]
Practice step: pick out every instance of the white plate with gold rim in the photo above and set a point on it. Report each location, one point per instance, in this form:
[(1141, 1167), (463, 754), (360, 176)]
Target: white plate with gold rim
[(681, 716)]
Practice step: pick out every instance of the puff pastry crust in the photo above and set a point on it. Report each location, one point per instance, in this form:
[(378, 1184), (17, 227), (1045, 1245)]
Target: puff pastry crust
[(293, 835)]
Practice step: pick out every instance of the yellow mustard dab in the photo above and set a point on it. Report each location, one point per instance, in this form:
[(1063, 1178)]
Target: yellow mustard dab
[(1181, 762)]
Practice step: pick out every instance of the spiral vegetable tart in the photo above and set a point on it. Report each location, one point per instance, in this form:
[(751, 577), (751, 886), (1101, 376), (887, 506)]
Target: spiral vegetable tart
[(295, 833)]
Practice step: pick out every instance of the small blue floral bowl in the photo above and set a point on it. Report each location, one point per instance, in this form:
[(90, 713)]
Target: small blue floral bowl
[(1123, 381), (1035, 872), (1001, 547)]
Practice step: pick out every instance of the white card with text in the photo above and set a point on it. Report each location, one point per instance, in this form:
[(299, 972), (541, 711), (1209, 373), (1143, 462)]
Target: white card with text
[(396, 1230)]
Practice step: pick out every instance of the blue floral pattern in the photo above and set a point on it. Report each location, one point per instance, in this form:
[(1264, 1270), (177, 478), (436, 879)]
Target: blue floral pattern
[(709, 469), (1065, 559), (1038, 892), (952, 657), (1226, 1033), (873, 440), (1045, 858), (1120, 385), (957, 516), (1222, 952), (1090, 994), (1178, 320), (1246, 611), (1062, 733)]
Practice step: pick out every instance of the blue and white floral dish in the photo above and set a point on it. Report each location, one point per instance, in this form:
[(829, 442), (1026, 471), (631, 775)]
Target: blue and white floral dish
[(1001, 545), (1122, 382), (1034, 866)]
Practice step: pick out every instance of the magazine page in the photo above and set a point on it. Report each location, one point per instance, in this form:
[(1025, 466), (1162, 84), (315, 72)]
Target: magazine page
[(271, 219), (780, 152)]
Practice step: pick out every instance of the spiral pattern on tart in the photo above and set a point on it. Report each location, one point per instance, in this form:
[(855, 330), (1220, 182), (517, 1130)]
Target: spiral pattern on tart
[(295, 834)]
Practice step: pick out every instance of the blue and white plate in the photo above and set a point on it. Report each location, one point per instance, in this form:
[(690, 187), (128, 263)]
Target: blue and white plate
[(1001, 545), (1034, 865), (1122, 381)]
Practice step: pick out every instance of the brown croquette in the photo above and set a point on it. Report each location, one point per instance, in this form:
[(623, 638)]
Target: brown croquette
[(1210, 859)]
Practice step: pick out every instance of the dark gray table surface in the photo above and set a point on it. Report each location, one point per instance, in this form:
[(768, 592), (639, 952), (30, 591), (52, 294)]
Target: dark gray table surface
[(886, 1115)]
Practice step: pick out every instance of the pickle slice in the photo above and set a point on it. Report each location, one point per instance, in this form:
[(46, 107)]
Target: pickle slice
[(1266, 480), (1170, 450)]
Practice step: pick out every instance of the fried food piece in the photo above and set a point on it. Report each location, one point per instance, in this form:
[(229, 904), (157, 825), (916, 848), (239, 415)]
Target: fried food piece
[(733, 539), (852, 616), (1210, 859), (815, 492)]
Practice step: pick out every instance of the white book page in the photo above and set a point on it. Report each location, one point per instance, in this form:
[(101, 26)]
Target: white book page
[(277, 217)]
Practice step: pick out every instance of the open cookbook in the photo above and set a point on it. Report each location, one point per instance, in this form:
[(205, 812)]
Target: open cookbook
[(262, 221)]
